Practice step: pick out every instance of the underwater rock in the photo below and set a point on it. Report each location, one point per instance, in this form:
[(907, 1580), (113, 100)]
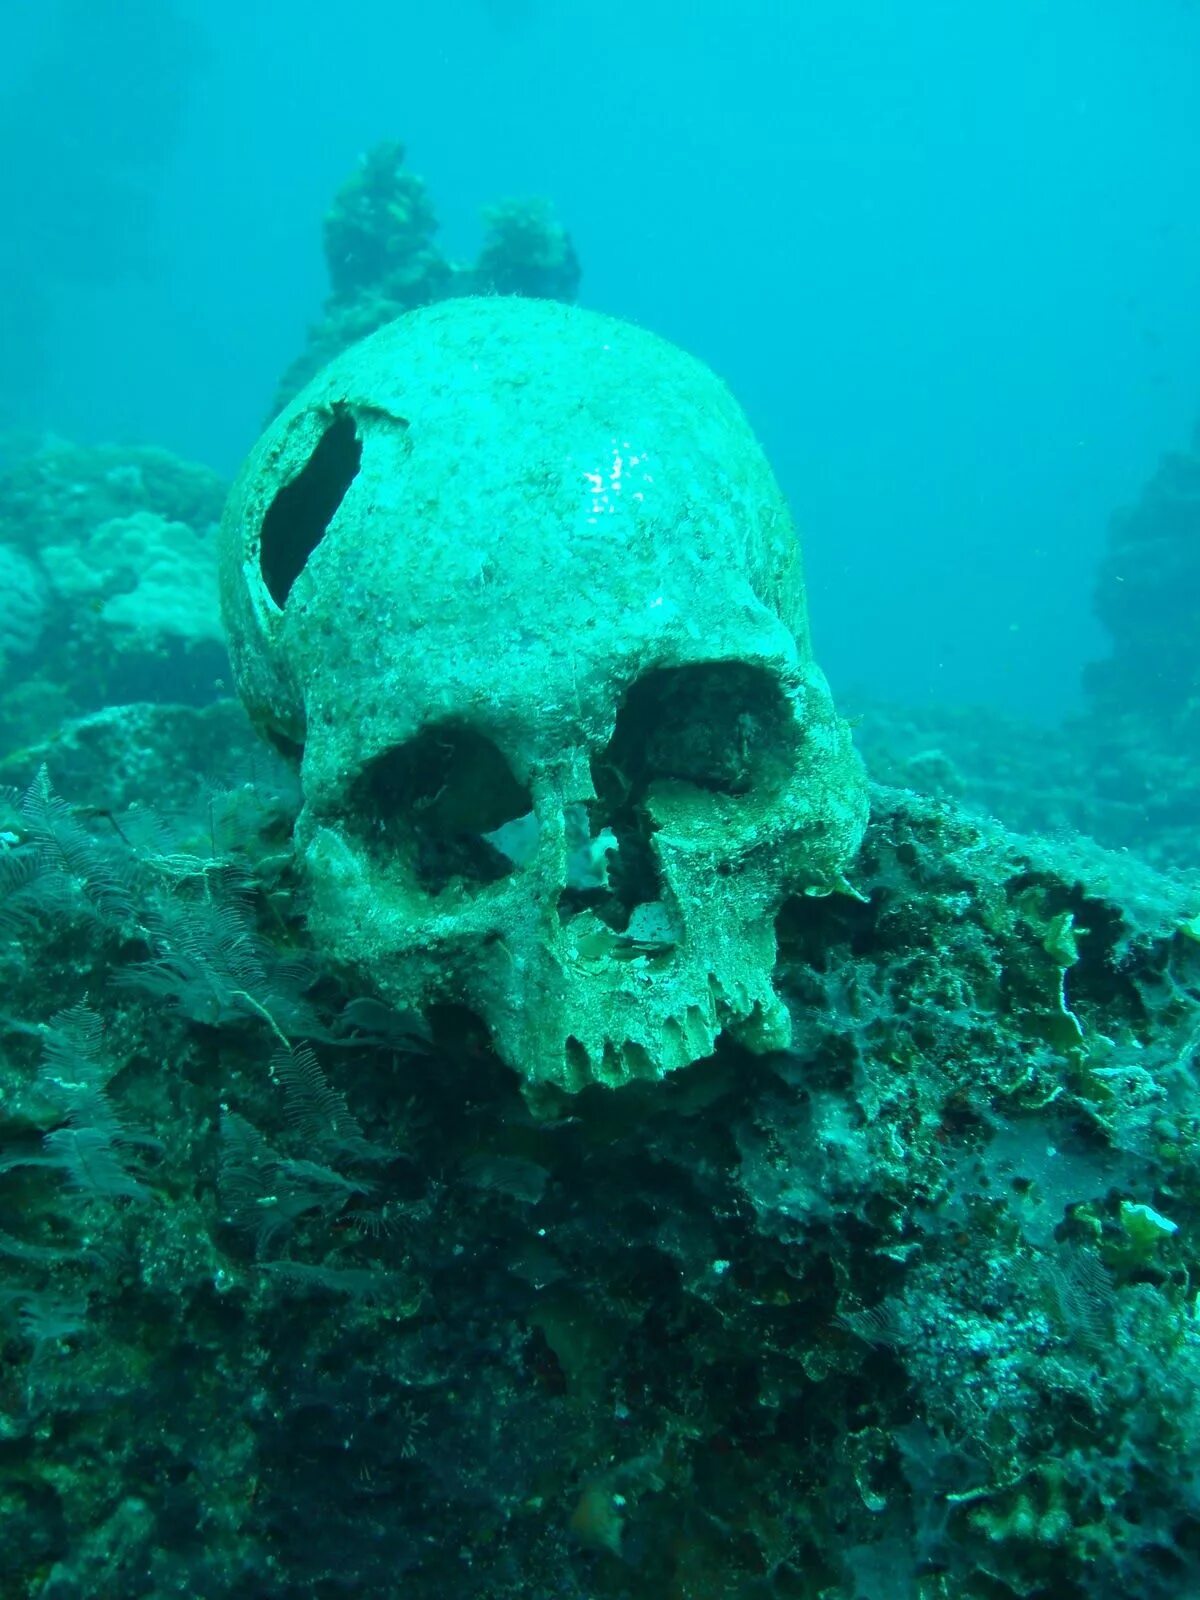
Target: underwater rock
[(1115, 778), (114, 758), (379, 234), (297, 1299), (527, 251)]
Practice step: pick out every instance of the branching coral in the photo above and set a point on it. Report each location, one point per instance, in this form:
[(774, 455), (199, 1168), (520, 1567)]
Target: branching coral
[(383, 261), (526, 250), (379, 234)]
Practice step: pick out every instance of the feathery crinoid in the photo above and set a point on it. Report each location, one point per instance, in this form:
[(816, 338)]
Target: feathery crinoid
[(77, 861), (92, 1146)]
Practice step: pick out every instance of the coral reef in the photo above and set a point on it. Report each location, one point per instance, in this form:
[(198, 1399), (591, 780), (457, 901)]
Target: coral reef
[(107, 555), (1125, 771), (22, 605), (379, 235), (526, 251), (51, 488), (150, 580), (1103, 775), (299, 1298), (382, 259)]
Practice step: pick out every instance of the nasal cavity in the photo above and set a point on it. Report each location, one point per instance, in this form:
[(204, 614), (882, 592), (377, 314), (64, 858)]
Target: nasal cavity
[(301, 512)]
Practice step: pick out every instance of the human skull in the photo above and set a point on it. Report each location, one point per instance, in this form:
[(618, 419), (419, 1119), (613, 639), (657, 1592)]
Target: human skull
[(517, 583)]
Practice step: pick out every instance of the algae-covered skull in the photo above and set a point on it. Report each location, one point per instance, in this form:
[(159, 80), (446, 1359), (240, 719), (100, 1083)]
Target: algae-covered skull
[(517, 582)]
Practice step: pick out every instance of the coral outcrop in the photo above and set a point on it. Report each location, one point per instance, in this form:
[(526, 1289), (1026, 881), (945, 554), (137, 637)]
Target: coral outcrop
[(299, 1298), (382, 258), (107, 558), (1124, 770), (1101, 775)]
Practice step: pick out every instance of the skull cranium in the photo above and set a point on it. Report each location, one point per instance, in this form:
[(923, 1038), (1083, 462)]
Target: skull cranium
[(519, 583)]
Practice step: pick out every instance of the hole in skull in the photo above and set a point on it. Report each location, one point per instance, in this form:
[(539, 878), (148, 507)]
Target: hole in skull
[(301, 512), (446, 808)]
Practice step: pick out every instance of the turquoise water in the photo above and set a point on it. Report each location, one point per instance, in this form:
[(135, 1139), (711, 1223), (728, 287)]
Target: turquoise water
[(947, 258), (496, 1099)]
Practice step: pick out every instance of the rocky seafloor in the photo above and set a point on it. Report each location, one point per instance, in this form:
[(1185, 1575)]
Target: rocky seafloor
[(298, 1298)]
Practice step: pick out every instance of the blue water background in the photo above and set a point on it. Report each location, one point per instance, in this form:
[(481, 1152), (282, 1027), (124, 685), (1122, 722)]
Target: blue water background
[(947, 255)]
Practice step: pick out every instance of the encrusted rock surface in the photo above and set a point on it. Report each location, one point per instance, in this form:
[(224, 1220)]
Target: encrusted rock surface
[(299, 1299)]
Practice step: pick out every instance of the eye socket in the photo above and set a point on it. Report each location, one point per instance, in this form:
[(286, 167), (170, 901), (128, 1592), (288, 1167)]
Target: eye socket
[(300, 514), (446, 807), (724, 726)]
